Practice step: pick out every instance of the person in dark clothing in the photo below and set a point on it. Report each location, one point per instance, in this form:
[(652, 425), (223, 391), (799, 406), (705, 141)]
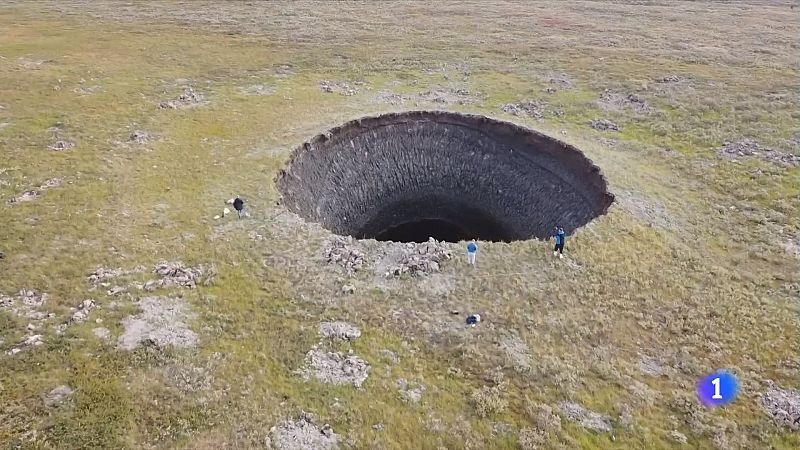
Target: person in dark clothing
[(561, 238), (238, 205)]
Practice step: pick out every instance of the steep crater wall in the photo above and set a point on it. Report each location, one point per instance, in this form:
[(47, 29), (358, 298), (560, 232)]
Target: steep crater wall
[(407, 176)]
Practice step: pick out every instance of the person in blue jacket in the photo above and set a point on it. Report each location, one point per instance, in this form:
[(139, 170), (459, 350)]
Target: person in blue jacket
[(561, 238), (472, 252)]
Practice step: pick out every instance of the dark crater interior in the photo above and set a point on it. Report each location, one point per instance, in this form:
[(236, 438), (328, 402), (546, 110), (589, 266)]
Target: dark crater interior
[(413, 175)]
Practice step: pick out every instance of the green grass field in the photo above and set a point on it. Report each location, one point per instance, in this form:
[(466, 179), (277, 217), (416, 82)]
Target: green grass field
[(695, 267)]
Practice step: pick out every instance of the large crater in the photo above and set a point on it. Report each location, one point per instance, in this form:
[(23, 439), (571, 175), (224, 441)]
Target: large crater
[(413, 175)]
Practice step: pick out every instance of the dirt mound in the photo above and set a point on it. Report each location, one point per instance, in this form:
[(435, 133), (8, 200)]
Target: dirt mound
[(342, 251), (334, 368), (33, 194), (783, 405), (139, 137), (420, 258), (390, 98), (448, 95), (750, 147), (303, 434), (604, 125), (530, 108), (61, 145), (338, 87), (189, 99), (339, 330), (162, 321), (616, 101), (177, 274)]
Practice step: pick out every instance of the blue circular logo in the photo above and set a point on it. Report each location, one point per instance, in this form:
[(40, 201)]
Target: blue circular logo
[(718, 389)]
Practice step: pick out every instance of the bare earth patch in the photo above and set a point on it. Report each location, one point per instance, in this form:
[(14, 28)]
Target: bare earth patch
[(586, 418), (390, 98), (647, 210), (258, 89), (303, 434), (33, 194), (334, 368), (162, 320), (58, 395)]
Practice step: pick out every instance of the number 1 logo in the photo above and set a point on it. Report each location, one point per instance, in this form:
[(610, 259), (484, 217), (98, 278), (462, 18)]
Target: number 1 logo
[(718, 389)]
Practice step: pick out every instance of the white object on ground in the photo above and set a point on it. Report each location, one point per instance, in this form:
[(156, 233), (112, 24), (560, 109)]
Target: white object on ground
[(225, 212)]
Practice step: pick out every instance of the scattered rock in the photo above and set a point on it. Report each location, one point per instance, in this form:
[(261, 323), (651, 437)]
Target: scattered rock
[(140, 137), (750, 147), (177, 274), (678, 437), (61, 145), (604, 125), (26, 196), (303, 434), (162, 321), (390, 98), (83, 311), (33, 194), (615, 101), (57, 395), (339, 330), (335, 368), (348, 289), (670, 79), (447, 96), (530, 108), (421, 258), (408, 393), (379, 426), (783, 405), (340, 88), (190, 98), (341, 250), (33, 340), (587, 419)]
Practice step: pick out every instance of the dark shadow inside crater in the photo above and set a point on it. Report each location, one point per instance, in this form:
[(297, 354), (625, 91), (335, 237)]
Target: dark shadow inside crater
[(409, 176), (421, 230)]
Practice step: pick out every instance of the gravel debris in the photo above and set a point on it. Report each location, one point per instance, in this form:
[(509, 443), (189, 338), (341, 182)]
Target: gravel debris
[(334, 368), (303, 434), (783, 405), (58, 395), (604, 125), (339, 330), (162, 321)]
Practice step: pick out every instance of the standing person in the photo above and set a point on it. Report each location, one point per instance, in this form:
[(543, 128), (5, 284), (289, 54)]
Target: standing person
[(472, 252), (238, 205), (561, 238)]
